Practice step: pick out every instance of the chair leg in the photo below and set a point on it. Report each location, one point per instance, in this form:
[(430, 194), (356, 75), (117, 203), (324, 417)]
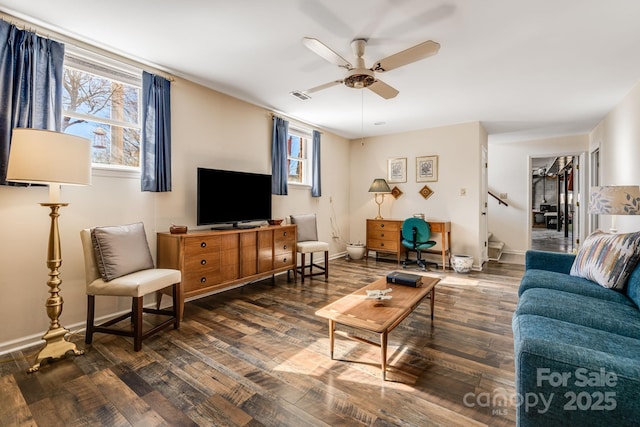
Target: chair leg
[(326, 264), (91, 306), (136, 317), (302, 269), (177, 311), (311, 265)]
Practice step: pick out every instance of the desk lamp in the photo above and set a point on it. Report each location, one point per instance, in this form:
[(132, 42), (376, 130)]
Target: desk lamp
[(54, 159), (379, 186), (614, 200)]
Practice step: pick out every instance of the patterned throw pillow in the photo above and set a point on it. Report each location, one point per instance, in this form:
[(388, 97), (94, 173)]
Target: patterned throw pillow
[(607, 259)]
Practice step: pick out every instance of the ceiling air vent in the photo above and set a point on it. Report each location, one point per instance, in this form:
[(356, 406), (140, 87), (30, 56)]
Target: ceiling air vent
[(300, 95)]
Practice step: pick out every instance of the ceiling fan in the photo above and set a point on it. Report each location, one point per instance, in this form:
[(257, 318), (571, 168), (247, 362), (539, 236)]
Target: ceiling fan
[(359, 76)]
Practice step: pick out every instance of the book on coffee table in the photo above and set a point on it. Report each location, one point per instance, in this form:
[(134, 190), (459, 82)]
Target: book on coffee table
[(402, 278)]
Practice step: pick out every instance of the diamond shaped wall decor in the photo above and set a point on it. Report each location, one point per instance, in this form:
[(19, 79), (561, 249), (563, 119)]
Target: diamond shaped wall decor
[(426, 192), (396, 192)]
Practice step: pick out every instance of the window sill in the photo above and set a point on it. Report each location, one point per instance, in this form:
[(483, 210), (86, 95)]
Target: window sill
[(297, 185), (115, 172)]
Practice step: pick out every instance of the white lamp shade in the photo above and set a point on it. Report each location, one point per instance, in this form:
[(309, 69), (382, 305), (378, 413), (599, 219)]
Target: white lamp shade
[(47, 157)]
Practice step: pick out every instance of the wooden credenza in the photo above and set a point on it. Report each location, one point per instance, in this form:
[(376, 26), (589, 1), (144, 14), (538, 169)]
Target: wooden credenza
[(215, 260), (385, 235)]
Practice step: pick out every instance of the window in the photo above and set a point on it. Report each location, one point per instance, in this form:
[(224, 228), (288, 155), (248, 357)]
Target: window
[(298, 152), (101, 102)]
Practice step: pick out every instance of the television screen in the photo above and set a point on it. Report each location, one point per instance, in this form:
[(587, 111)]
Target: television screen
[(230, 197)]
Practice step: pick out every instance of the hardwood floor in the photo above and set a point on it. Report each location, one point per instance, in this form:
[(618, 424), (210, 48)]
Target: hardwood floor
[(551, 240), (258, 355)]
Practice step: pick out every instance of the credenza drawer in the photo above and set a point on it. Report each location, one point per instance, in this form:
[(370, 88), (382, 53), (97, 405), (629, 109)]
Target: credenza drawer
[(382, 225), (384, 235), (284, 260), (194, 247), (382, 245)]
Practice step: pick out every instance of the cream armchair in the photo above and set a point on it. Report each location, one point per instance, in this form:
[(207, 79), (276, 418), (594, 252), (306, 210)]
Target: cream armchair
[(118, 263), (308, 243)]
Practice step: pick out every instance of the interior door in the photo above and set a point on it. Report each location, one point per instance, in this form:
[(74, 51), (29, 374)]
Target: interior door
[(484, 244)]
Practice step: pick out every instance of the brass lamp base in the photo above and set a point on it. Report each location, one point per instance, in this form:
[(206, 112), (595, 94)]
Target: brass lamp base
[(379, 203), (56, 345)]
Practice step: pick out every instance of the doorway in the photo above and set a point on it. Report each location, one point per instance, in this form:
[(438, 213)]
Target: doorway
[(554, 203)]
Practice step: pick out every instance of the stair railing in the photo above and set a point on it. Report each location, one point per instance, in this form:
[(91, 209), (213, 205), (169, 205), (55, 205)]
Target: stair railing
[(500, 201)]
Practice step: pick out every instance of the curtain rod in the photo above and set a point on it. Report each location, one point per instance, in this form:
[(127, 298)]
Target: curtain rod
[(42, 31), (273, 114)]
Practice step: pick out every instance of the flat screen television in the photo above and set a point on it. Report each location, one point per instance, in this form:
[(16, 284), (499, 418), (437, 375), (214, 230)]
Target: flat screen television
[(228, 199)]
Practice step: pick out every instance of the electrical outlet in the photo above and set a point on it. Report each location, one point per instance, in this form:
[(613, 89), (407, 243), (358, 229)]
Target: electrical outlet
[(463, 191)]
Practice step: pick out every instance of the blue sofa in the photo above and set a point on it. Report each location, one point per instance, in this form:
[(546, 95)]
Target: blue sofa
[(576, 347)]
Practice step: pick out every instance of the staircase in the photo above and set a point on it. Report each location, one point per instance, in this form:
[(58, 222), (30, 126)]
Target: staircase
[(495, 249)]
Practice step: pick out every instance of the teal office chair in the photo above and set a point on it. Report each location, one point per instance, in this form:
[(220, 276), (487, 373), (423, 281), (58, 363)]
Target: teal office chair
[(415, 237)]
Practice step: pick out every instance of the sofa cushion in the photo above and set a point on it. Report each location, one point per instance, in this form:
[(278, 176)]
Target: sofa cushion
[(121, 250), (563, 282), (603, 315), (556, 360), (633, 286), (551, 261), (607, 259)]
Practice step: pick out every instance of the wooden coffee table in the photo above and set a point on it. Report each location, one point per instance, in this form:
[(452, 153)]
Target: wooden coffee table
[(356, 311)]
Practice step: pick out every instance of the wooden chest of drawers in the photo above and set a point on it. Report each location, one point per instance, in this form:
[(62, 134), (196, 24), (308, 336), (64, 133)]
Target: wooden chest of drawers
[(384, 235), (218, 260)]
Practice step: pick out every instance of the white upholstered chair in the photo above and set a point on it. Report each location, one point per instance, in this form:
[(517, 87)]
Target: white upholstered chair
[(118, 263), (308, 243)]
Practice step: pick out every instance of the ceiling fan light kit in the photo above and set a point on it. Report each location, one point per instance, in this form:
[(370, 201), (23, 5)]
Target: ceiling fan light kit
[(359, 76)]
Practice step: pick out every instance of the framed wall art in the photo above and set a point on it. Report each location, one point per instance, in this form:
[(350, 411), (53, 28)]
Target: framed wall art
[(397, 169), (427, 169)]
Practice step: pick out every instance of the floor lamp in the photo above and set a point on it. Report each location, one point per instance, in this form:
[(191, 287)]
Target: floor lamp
[(379, 186), (614, 200), (54, 159)]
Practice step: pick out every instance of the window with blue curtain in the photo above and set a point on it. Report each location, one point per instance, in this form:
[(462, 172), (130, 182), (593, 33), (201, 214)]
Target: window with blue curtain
[(156, 133), (279, 152), (31, 69), (316, 187)]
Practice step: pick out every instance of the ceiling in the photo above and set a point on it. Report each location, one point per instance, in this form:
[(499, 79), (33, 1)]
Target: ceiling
[(525, 69)]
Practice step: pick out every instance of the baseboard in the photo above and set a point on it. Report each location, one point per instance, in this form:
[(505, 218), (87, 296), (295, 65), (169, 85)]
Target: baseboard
[(512, 257), (74, 329)]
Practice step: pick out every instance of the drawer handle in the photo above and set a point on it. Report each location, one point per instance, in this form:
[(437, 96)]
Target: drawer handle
[(381, 244), (382, 225), (284, 260), (284, 234), (203, 244), (381, 234), (203, 279), (203, 262), (284, 247)]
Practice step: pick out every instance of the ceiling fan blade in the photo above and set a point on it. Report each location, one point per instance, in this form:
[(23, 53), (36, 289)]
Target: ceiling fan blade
[(407, 56), (324, 86), (323, 51), (382, 89)]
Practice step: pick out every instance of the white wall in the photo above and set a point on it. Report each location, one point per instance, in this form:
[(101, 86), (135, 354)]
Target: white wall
[(208, 129), (618, 137), (509, 172), (458, 148)]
